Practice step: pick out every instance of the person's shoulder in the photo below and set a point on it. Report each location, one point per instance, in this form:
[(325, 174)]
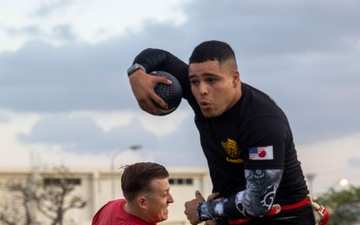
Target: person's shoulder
[(107, 211), (116, 202), (113, 204), (251, 89)]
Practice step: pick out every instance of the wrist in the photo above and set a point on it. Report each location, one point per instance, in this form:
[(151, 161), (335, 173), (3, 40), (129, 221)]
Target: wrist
[(134, 67), (203, 211)]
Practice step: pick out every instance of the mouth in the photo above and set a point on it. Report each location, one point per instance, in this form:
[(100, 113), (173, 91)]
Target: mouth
[(165, 210), (204, 104)]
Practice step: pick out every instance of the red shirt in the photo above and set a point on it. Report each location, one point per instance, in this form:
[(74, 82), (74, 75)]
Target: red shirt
[(113, 213)]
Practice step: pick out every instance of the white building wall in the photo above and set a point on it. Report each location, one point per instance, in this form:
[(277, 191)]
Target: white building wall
[(96, 189)]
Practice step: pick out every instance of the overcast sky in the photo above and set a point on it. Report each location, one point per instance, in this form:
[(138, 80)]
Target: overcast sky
[(65, 96)]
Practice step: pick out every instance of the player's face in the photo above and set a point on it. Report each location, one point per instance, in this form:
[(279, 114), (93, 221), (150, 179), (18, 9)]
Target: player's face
[(215, 87), (159, 200)]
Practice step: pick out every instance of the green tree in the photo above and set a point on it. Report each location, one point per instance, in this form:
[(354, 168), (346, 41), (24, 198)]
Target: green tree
[(343, 206)]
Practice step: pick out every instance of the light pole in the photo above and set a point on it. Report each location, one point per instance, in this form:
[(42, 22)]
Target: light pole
[(310, 178), (340, 184), (343, 182), (112, 166)]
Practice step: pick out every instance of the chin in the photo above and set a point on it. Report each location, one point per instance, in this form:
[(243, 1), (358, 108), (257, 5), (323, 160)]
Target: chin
[(211, 114), (164, 218)]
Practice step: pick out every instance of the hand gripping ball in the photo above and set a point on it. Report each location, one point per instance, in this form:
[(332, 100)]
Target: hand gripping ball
[(170, 93)]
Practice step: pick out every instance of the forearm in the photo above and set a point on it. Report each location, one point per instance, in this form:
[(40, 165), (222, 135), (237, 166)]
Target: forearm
[(256, 200), (158, 59)]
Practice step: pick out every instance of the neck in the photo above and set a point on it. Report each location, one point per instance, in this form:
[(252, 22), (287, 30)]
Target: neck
[(133, 210), (237, 96)]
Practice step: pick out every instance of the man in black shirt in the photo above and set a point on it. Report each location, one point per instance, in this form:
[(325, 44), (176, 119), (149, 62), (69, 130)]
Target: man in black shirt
[(245, 136)]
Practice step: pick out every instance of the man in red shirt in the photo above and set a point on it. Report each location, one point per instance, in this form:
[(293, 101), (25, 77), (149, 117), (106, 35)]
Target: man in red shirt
[(147, 195)]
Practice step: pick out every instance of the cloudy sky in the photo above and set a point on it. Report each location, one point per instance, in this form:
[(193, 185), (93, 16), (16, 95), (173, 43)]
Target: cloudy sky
[(65, 96)]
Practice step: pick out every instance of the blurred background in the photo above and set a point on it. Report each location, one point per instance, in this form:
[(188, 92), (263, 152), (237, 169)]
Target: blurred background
[(65, 97)]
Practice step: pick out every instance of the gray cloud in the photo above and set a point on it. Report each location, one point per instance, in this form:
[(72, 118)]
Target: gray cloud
[(63, 32), (354, 162), (302, 53), (82, 134), (4, 119), (53, 79), (49, 8), (260, 27), (60, 32), (30, 31)]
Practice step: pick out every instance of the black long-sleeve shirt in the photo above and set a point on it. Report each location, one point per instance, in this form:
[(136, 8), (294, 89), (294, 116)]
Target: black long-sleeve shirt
[(253, 134)]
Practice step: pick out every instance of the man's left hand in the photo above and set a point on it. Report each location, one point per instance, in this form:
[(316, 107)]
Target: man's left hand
[(191, 208)]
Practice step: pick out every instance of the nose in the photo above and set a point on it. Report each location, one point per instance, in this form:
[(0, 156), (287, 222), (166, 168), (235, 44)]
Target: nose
[(171, 199), (203, 90)]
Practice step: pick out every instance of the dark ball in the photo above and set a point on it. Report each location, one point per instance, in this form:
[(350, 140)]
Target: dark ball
[(170, 93)]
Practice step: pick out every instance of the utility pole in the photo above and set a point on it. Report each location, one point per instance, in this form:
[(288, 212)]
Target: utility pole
[(310, 178), (112, 166)]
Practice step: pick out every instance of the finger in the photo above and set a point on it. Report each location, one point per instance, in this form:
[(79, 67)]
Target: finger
[(149, 106), (162, 80), (198, 195), (159, 101), (144, 106), (210, 222), (213, 196)]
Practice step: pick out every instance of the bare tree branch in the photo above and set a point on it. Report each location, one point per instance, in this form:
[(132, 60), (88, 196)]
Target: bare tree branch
[(52, 200)]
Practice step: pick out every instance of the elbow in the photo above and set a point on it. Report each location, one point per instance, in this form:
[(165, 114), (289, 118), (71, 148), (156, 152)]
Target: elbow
[(260, 213), (257, 209)]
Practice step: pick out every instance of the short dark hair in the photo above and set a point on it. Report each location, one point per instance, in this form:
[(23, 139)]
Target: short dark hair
[(211, 51), (137, 177)]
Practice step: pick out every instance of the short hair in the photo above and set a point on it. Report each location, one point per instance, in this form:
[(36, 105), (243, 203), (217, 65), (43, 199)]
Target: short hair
[(211, 51), (137, 178)]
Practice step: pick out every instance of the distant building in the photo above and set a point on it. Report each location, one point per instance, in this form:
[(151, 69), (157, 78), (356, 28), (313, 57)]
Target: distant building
[(94, 185)]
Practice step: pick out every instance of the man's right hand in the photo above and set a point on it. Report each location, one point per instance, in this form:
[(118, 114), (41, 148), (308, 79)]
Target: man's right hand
[(142, 85)]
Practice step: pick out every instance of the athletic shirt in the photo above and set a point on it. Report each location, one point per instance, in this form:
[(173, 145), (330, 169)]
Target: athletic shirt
[(229, 140), (113, 213), (254, 122)]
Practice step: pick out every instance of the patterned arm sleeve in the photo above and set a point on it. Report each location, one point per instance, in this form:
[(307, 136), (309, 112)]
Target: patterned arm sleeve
[(256, 200)]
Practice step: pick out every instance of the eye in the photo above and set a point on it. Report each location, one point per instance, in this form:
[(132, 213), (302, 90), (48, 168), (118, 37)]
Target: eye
[(194, 82), (211, 80)]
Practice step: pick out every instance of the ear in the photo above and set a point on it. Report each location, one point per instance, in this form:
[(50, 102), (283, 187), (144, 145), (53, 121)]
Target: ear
[(141, 201), (236, 78)]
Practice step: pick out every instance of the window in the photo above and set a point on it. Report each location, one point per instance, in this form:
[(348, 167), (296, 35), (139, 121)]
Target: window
[(58, 181), (189, 181), (181, 181)]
